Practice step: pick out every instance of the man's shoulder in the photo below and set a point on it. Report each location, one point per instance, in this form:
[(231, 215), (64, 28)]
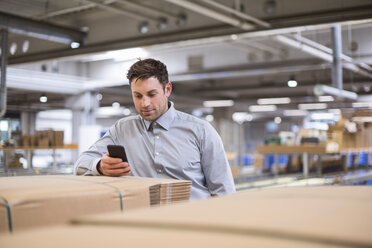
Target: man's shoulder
[(128, 120), (182, 116)]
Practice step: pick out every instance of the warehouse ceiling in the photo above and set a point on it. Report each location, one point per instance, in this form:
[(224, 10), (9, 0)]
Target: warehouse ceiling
[(238, 50)]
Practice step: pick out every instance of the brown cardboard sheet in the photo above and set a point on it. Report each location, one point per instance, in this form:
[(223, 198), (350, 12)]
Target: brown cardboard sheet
[(27, 202), (118, 237), (336, 215)]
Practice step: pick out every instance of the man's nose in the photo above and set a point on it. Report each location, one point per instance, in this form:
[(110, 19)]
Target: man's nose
[(145, 102)]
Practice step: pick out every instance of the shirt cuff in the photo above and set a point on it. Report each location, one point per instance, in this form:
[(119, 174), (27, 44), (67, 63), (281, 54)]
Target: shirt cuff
[(93, 169)]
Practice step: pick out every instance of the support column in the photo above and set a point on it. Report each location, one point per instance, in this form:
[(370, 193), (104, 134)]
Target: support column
[(4, 63), (337, 63), (232, 134), (83, 107), (28, 122)]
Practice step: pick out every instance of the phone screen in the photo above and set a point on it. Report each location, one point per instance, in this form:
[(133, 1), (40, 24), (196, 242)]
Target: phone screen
[(117, 151)]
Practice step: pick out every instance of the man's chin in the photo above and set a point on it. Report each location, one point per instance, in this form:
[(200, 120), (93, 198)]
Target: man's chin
[(148, 117)]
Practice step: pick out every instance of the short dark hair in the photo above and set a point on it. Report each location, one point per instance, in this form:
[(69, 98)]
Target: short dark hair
[(144, 69)]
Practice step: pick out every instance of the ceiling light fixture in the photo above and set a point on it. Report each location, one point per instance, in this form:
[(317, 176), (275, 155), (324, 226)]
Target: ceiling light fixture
[(13, 48), (74, 45), (262, 108), (292, 82), (126, 111), (294, 112), (162, 25), (278, 120), (144, 27), (362, 104), (115, 105), (209, 118), (241, 117), (322, 116), (99, 96), (25, 46), (181, 21), (326, 98), (308, 106), (218, 103), (279, 100), (43, 98)]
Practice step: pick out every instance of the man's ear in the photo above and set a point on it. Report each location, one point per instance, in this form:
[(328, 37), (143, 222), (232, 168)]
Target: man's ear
[(168, 89)]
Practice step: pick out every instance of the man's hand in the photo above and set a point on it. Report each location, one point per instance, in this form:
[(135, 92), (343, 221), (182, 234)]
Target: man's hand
[(113, 167)]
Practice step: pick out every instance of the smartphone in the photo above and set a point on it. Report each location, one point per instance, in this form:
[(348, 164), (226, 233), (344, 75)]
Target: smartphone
[(117, 151)]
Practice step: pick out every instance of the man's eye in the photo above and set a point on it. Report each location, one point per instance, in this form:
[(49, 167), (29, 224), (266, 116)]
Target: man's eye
[(152, 94), (138, 96)]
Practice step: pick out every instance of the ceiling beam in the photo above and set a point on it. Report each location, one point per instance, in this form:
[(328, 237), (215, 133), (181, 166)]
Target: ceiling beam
[(212, 14), (41, 30)]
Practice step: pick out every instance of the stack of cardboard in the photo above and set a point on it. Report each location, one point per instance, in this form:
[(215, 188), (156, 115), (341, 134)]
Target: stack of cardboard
[(49, 137), (169, 191), (277, 217), (364, 134), (27, 202)]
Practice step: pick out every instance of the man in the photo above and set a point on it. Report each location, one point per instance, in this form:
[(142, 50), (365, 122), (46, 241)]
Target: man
[(161, 141)]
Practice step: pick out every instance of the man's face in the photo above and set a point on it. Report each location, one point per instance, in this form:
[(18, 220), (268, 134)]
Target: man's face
[(149, 98)]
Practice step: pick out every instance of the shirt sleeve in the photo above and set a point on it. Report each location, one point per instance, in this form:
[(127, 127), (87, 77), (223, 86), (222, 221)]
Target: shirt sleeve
[(214, 162), (87, 162)]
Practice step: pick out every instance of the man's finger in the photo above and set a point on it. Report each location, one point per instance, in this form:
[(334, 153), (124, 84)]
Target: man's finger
[(119, 172)]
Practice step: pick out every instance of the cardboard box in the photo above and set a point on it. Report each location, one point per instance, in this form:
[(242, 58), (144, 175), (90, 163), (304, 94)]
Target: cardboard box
[(33, 201), (118, 237), (276, 217), (58, 138), (327, 215)]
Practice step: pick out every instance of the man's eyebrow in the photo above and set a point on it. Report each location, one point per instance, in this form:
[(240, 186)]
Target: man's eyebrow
[(152, 91), (148, 92)]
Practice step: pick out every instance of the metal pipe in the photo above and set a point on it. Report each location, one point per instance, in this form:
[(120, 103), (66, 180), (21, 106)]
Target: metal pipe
[(337, 63), (212, 14), (321, 90), (4, 61), (320, 54)]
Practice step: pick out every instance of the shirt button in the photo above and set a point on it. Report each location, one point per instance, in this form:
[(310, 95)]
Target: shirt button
[(155, 124), (157, 137), (156, 153), (160, 170)]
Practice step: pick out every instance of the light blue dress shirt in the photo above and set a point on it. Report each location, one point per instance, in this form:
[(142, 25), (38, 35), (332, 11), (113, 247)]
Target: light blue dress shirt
[(177, 145)]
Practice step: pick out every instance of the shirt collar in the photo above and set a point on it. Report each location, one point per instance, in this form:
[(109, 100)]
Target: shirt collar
[(165, 120)]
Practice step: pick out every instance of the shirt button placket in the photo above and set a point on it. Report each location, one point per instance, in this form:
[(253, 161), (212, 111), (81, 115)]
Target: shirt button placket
[(156, 142)]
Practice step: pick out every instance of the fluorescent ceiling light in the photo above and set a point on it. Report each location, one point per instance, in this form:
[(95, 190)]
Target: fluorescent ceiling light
[(4, 125), (262, 108), (326, 98), (306, 106), (316, 125), (118, 55), (323, 116), (280, 100), (218, 103), (335, 111), (104, 112), (294, 112), (362, 104)]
